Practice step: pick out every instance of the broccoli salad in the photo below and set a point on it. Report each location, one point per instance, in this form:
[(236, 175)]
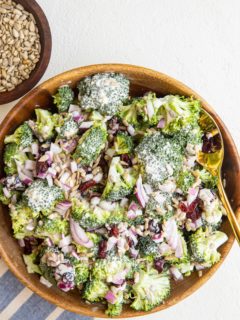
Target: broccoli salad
[(106, 194)]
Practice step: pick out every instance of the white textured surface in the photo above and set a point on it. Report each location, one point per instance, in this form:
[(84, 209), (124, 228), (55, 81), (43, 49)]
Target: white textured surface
[(195, 41)]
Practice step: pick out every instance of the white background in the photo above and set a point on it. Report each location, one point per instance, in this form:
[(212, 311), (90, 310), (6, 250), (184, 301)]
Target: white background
[(195, 41)]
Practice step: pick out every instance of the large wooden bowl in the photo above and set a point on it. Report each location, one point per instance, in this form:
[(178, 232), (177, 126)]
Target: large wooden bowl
[(46, 48), (142, 80)]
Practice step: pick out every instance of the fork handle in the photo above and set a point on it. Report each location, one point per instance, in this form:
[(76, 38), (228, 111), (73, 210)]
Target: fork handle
[(230, 213)]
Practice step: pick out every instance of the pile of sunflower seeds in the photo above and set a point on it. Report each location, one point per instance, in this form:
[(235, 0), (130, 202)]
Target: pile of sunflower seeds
[(19, 44)]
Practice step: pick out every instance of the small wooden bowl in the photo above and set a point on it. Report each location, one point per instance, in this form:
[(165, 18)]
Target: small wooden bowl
[(46, 48), (142, 80)]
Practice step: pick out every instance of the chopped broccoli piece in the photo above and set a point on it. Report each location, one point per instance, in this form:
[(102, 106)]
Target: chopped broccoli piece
[(44, 125), (95, 290), (120, 182), (178, 112), (3, 198), (81, 272), (22, 136), (185, 181), (159, 206), (208, 180), (23, 220), (67, 128), (41, 197), (11, 155), (91, 144), (104, 92), (106, 269), (87, 216), (159, 156), (30, 261), (185, 268), (52, 228), (123, 143), (147, 247), (204, 245), (212, 214), (151, 290), (131, 113), (114, 310), (63, 98)]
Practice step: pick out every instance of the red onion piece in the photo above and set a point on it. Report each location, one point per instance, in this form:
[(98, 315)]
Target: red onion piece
[(65, 241), (86, 124), (140, 193), (133, 252), (74, 107), (110, 297), (177, 275), (55, 149), (133, 206), (112, 241), (161, 124), (35, 149), (79, 235), (6, 192), (21, 243), (131, 130), (30, 165), (77, 116)]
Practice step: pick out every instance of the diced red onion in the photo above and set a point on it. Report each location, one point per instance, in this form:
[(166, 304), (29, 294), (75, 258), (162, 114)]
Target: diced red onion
[(35, 148), (177, 275), (52, 172), (150, 109), (65, 187), (74, 107), (77, 116), (131, 214), (69, 145), (123, 202), (140, 192), (164, 248), (24, 178), (79, 235), (49, 180), (62, 207), (119, 278), (158, 237), (98, 177), (161, 124), (30, 165), (179, 248), (86, 125), (64, 177), (55, 149), (199, 266), (112, 241), (110, 297), (131, 130), (65, 241), (67, 249), (133, 252), (133, 206), (192, 195), (50, 157), (6, 192), (132, 236)]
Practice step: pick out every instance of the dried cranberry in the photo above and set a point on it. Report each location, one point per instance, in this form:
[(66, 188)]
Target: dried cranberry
[(194, 210), (159, 264), (154, 226), (41, 167), (126, 158), (86, 185), (211, 144), (102, 249), (130, 242), (182, 206), (114, 231)]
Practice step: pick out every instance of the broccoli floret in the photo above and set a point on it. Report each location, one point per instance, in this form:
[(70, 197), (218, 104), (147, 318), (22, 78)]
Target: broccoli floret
[(185, 181), (160, 157), (106, 269), (123, 143), (159, 206), (151, 290), (23, 220), (48, 271), (185, 268), (204, 245), (90, 252), (104, 92), (81, 272), (131, 113), (147, 247), (63, 98), (22, 136), (114, 310), (67, 127), (178, 112), (30, 261), (95, 290), (3, 198), (212, 214), (120, 182), (44, 125), (91, 144), (41, 197), (52, 228), (12, 153), (207, 179), (87, 216)]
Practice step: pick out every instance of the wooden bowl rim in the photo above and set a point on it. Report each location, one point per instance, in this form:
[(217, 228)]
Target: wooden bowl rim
[(91, 69), (45, 54)]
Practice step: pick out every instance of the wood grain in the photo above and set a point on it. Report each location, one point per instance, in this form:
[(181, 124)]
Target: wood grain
[(142, 80), (46, 48)]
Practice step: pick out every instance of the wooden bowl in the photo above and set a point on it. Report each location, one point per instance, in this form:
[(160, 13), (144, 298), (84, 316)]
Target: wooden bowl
[(142, 80), (46, 48)]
